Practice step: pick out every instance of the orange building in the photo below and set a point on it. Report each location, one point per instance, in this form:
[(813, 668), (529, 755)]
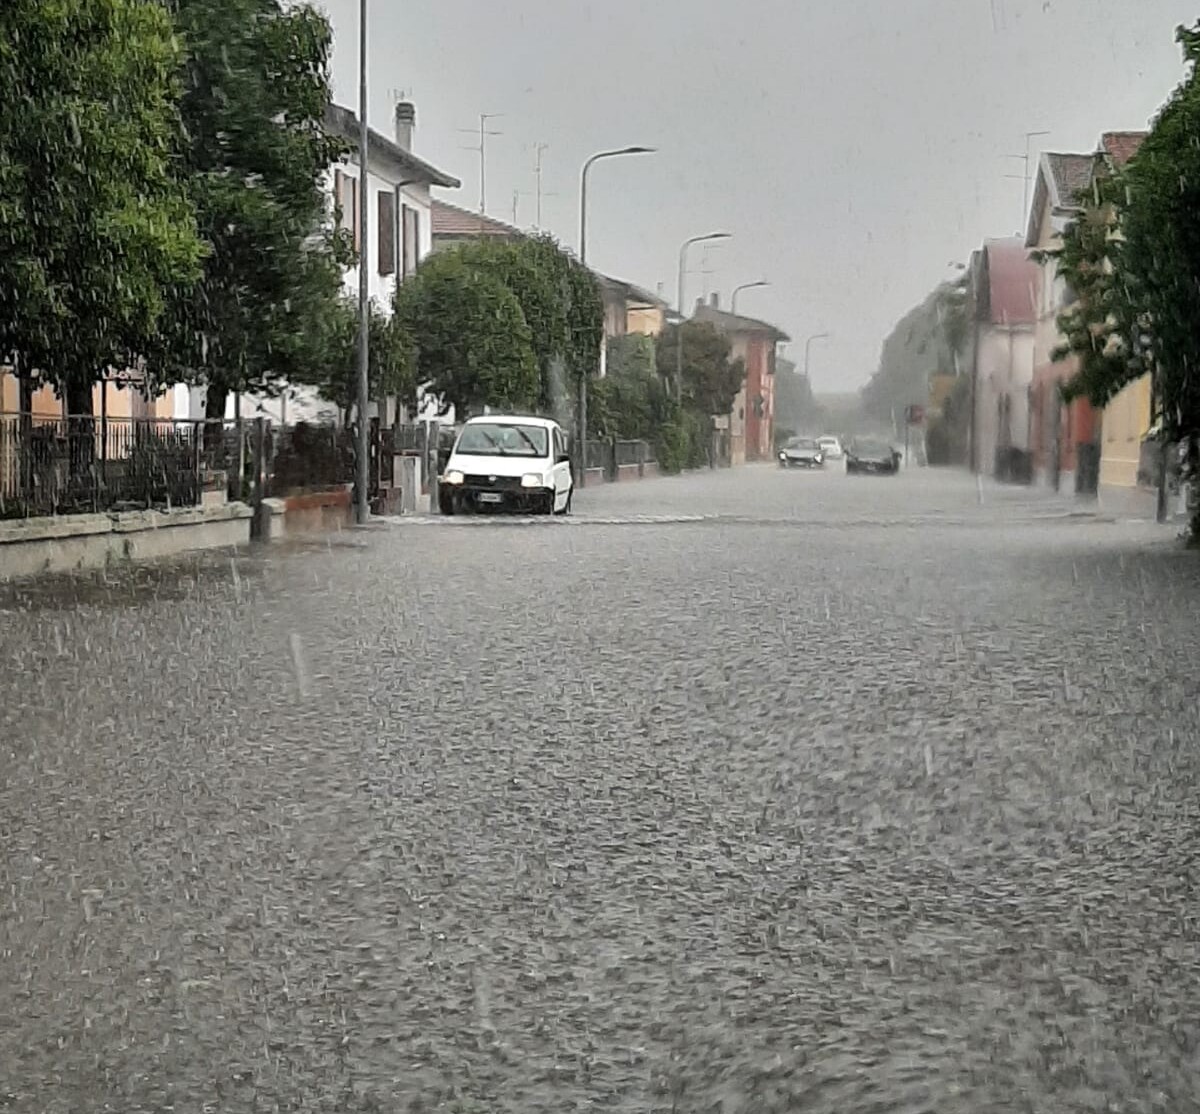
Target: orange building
[(752, 423)]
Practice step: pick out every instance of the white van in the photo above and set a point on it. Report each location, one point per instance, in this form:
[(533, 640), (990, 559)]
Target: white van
[(506, 462)]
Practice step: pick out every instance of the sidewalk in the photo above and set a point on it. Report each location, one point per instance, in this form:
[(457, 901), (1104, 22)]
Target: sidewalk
[(1138, 504)]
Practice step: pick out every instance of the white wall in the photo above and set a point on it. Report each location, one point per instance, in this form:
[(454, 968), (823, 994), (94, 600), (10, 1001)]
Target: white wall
[(303, 403), (1004, 367), (381, 287)]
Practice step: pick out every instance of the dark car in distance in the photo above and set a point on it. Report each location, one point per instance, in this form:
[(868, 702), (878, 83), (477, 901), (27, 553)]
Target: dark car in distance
[(872, 456)]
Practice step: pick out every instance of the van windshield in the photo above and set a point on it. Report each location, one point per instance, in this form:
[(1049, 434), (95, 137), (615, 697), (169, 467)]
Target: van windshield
[(503, 439)]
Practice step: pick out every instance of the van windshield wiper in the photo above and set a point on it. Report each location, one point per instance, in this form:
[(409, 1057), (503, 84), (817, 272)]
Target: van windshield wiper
[(528, 440)]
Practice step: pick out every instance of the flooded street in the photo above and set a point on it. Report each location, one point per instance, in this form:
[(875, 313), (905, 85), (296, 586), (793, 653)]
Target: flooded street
[(748, 792)]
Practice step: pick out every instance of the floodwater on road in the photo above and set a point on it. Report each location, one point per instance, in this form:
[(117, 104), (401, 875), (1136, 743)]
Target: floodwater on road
[(739, 793)]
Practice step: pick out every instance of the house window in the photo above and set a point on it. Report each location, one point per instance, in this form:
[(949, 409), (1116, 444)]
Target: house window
[(345, 197), (387, 232), (411, 238)]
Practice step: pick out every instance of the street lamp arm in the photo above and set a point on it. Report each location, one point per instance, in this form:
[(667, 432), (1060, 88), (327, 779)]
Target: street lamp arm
[(583, 183), (744, 286)]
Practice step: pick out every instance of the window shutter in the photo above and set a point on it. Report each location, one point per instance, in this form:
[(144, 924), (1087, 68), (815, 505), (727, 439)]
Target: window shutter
[(387, 232), (355, 199)]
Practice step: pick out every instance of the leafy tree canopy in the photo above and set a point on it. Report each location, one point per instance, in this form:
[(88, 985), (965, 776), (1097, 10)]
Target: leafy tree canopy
[(255, 90), (559, 301), (1158, 259), (469, 339), (711, 377), (931, 338), (331, 364), (94, 228), (631, 402), (1095, 327)]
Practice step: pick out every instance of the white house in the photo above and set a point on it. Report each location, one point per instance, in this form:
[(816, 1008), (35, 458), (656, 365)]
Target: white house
[(1005, 285), (399, 236)]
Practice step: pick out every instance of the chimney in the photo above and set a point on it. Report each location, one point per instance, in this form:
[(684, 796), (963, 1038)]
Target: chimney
[(716, 300), (406, 122)]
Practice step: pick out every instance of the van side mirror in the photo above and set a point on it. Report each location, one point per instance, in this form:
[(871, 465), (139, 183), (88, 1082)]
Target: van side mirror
[(563, 458)]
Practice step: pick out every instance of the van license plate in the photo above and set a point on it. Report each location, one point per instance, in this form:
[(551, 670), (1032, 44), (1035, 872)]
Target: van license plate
[(490, 497)]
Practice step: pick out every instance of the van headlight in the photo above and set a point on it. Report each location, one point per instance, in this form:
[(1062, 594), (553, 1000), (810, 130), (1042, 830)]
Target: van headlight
[(533, 479), (454, 477)]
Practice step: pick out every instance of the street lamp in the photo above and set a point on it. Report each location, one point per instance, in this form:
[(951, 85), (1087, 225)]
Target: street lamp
[(362, 508), (679, 302), (744, 286), (583, 373), (808, 348), (583, 185)]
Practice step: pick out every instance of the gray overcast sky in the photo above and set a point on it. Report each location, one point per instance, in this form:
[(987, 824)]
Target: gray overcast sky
[(854, 147)]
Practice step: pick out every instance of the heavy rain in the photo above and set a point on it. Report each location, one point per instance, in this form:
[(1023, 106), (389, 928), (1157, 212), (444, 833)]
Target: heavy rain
[(674, 591)]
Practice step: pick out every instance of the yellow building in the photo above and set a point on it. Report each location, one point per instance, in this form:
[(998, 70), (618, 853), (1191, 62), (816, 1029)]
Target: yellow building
[(1126, 422)]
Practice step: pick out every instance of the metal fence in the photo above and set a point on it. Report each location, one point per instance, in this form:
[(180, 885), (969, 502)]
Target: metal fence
[(73, 465), (633, 452), (306, 457), (608, 456)]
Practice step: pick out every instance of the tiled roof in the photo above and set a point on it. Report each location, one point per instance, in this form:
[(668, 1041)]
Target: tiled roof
[(1120, 147), (1072, 175), (736, 323), (631, 293), (343, 122), (454, 222), (1012, 279)]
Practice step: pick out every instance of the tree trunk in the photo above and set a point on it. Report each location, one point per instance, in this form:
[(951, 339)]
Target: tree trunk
[(81, 441), (215, 399), (213, 437)]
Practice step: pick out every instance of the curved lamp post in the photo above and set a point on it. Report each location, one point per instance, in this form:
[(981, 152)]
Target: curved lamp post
[(808, 349), (679, 302), (744, 286), (583, 186)]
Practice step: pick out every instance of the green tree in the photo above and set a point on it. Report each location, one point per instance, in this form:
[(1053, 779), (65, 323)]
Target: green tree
[(1133, 258), (931, 338), (1098, 326), (256, 89), (469, 341), (559, 301), (631, 402), (1157, 257), (332, 362), (94, 229), (711, 377)]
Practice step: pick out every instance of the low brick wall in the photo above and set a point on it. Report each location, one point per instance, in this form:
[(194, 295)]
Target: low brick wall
[(68, 543), (313, 512)]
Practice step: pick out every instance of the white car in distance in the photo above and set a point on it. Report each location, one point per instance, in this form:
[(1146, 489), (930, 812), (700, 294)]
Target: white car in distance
[(506, 462), (831, 448)]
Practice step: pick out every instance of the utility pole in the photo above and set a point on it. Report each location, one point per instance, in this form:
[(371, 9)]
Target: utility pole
[(362, 507), (483, 133)]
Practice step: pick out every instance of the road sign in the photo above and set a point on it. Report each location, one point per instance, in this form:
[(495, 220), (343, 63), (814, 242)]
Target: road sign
[(914, 415)]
